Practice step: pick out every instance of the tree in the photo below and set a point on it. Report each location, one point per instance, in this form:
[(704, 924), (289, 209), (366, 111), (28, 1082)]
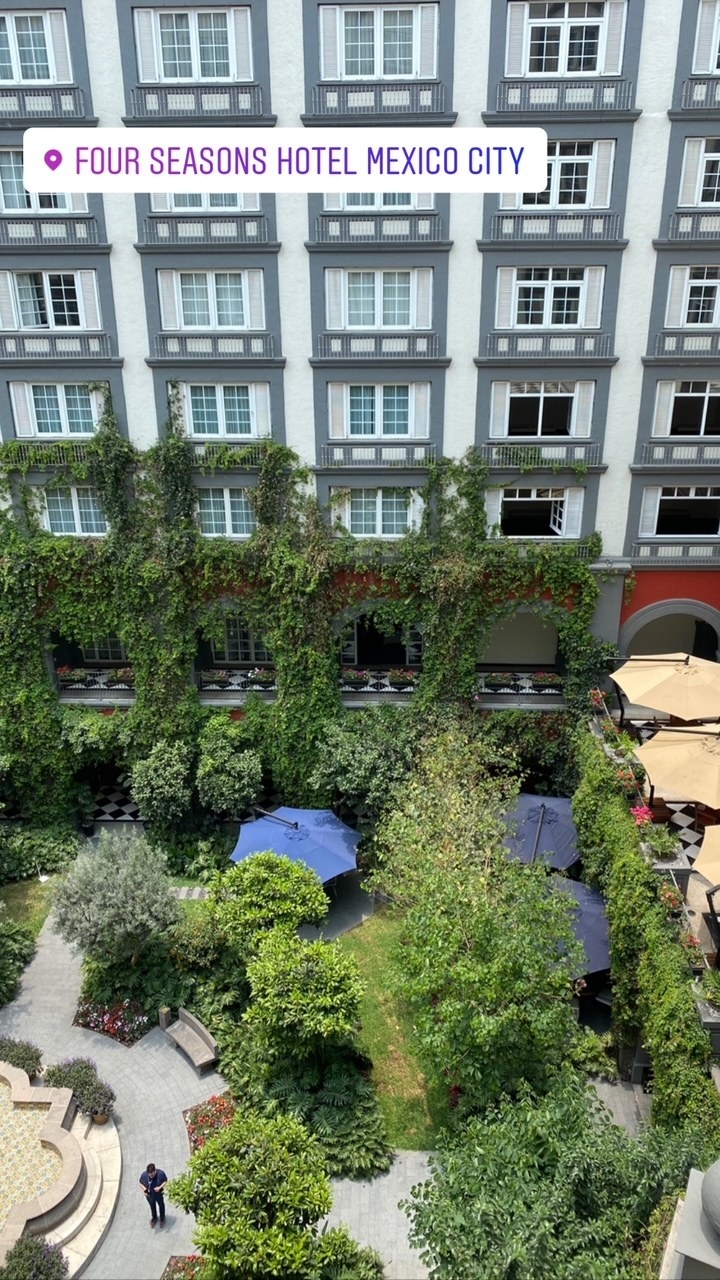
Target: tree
[(363, 755), (32, 1258), (305, 995), (543, 1189), (257, 1190), (161, 784), (114, 899), (264, 892), (228, 777)]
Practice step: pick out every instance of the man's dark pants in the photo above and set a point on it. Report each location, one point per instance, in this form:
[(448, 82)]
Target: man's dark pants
[(157, 1201)]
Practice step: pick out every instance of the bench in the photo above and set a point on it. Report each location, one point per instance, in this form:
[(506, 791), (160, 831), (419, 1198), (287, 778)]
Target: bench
[(194, 1039)]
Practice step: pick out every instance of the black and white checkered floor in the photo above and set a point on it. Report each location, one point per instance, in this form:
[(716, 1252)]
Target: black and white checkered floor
[(115, 805), (683, 820)]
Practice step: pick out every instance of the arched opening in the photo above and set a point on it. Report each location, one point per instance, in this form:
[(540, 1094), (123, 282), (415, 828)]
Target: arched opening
[(524, 640), (676, 633)]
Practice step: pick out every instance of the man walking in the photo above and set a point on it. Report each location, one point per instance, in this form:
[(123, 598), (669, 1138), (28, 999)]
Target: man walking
[(153, 1182)]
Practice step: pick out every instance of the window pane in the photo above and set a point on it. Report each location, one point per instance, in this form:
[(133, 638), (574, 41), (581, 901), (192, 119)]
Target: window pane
[(531, 304), (78, 406), (175, 46), (61, 517), (711, 182), (361, 298), (556, 416), (187, 200), (203, 411), (241, 516), (14, 194), (395, 511), (687, 415), (573, 184), (363, 512), (392, 198), (524, 416), (544, 49), (398, 43), (701, 304), (211, 508), (238, 421), (360, 44), (64, 300), (583, 47), (92, 519), (396, 411), (565, 305), (362, 411), (32, 50), (396, 297), (194, 298), (229, 297), (360, 200), (47, 410), (31, 300), (223, 200), (6, 70), (237, 642), (213, 45)]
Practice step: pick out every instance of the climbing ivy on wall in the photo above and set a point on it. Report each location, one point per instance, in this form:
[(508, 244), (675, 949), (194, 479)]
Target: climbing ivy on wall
[(155, 583)]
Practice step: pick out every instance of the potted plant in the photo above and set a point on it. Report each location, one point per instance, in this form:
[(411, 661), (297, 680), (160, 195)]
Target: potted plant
[(545, 680), (353, 676), (94, 1097), (670, 896), (402, 678), (691, 945), (220, 679), (662, 842), (710, 987), (122, 675), (261, 676), (22, 1054), (72, 677), (499, 680)]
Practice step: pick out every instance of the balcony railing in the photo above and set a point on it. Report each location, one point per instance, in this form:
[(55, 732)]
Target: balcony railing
[(50, 453), (378, 455), (688, 343), (248, 455), (378, 98), (374, 346), (196, 100), (209, 230), (366, 228), (36, 104), (556, 226), (677, 552), (540, 346), (513, 684), (694, 226), (703, 453), (565, 95), (231, 346), (539, 457), (96, 680), (52, 231), (699, 94), (51, 346)]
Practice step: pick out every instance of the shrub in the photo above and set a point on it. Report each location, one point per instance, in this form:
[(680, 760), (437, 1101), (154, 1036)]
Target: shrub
[(264, 892), (32, 1258), (594, 1054), (228, 777), (25, 852), (161, 784), (17, 946), (93, 1095), (22, 1054)]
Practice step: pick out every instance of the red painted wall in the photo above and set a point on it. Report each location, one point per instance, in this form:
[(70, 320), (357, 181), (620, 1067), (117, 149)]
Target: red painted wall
[(654, 586)]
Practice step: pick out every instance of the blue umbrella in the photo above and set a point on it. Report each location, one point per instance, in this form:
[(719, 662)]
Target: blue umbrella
[(543, 831), (589, 922), (313, 836)]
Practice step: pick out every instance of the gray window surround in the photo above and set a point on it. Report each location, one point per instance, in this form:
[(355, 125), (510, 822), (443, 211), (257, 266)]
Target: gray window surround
[(12, 140), (684, 69), (496, 68), (558, 480), (378, 372), (687, 127), (260, 62), (68, 259), (61, 371), (214, 373), (446, 41), (370, 479), (267, 210), (542, 372), (440, 212), (78, 60), (665, 371), (678, 254), (659, 477)]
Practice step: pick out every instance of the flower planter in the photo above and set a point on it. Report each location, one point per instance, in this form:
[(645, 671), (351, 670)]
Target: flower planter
[(98, 1117), (402, 684)]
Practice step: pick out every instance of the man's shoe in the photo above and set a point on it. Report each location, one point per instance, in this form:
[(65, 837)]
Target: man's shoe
[(153, 1223)]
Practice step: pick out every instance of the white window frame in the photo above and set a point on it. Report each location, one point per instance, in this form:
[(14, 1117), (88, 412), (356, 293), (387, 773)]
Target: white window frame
[(567, 503), (695, 163), (259, 397), (333, 49), (86, 292), (599, 185), (164, 202), (419, 394), (56, 46), (548, 289), (502, 393), (226, 492), (377, 326), (652, 497), (610, 45), (258, 650), (414, 509), (78, 531), (171, 280), (75, 202), (149, 46), (706, 54), (377, 203), (680, 287), (666, 395), (25, 413)]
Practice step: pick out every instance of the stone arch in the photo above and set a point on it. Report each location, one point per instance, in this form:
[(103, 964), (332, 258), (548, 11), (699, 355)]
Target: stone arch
[(680, 633)]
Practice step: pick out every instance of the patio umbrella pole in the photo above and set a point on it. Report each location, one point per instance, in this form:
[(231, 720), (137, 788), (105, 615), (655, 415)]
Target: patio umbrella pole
[(285, 821), (537, 834), (709, 894)]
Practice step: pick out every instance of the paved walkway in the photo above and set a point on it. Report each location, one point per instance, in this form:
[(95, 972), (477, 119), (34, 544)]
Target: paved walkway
[(369, 1211), (154, 1085)]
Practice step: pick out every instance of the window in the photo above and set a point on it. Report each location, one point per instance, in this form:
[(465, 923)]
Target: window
[(48, 300), (535, 513), (386, 409), (687, 409), (379, 299), (34, 48), (388, 201), (379, 42), (383, 512), (74, 510), (15, 199), (240, 644), (693, 298), (685, 511), (220, 201), (549, 297), (55, 409), (225, 512), (567, 38), (227, 409), (106, 649), (579, 177), (211, 299), (700, 183), (193, 44), (541, 409), (706, 59)]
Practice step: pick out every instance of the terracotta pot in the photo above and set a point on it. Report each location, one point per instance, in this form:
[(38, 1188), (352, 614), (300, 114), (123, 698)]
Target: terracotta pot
[(98, 1118)]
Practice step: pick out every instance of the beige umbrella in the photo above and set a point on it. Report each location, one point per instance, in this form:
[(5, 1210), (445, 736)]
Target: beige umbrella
[(708, 859), (685, 762), (677, 683)]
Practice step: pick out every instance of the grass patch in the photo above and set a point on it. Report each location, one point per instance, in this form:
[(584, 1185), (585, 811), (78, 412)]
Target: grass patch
[(414, 1113), (28, 901)]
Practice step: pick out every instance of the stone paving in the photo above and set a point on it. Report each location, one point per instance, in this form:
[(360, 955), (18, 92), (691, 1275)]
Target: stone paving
[(370, 1212)]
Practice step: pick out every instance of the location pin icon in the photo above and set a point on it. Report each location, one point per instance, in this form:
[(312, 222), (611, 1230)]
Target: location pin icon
[(53, 159)]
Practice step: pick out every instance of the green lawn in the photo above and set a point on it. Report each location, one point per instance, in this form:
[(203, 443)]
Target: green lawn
[(414, 1114), (29, 901)]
